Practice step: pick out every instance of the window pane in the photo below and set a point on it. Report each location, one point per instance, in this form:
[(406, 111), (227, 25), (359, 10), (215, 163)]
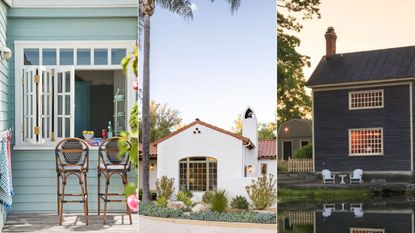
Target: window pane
[(66, 57), (59, 127), (67, 82), (59, 105), (49, 56), (67, 127), (100, 56), (59, 82), (117, 55), (84, 57), (31, 56), (67, 104)]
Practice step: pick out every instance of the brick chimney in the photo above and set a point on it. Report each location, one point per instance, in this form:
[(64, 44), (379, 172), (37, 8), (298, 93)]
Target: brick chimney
[(330, 42)]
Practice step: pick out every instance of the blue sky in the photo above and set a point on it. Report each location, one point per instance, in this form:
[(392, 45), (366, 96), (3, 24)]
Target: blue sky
[(216, 65)]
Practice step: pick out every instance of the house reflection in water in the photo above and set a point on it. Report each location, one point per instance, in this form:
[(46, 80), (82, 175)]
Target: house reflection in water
[(343, 218)]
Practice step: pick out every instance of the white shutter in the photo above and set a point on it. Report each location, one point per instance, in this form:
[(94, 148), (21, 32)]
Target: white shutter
[(30, 85), (64, 123), (45, 105)]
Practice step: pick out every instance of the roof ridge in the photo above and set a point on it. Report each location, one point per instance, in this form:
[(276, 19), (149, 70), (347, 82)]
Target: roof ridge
[(245, 140)]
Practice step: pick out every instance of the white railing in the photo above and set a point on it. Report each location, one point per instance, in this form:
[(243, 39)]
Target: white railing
[(301, 217), (300, 165)]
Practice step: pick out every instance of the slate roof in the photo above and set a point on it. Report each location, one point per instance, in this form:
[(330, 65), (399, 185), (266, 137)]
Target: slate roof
[(375, 65)]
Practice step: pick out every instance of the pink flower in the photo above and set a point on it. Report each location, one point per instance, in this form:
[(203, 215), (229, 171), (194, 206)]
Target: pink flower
[(132, 202)]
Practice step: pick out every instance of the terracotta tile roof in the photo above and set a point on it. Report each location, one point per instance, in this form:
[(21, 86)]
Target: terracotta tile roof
[(244, 140), (267, 149), (153, 151)]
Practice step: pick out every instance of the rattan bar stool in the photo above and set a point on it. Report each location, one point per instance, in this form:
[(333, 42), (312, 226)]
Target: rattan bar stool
[(110, 163), (72, 158)]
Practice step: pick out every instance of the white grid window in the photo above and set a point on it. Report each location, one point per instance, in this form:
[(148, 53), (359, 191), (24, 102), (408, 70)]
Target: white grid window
[(366, 142), (366, 99), (366, 230)]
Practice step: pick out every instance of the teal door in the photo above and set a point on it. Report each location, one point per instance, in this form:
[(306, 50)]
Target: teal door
[(82, 107)]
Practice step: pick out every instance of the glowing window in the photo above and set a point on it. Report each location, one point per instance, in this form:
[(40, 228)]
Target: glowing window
[(366, 141)]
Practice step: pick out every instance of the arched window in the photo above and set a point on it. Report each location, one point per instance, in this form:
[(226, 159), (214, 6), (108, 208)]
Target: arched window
[(198, 173)]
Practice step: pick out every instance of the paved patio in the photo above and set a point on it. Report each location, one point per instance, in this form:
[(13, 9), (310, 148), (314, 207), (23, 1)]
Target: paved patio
[(155, 226), (48, 223)]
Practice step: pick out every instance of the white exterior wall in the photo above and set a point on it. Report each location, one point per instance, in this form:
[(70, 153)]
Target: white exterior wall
[(250, 130), (153, 174), (226, 149)]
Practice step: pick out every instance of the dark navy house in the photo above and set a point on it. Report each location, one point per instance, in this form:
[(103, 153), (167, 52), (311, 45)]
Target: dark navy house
[(363, 109)]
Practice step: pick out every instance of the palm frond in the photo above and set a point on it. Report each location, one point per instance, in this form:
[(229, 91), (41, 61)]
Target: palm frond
[(182, 8), (234, 4)]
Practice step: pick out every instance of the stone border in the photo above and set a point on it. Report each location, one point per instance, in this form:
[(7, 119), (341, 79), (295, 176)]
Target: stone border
[(213, 223)]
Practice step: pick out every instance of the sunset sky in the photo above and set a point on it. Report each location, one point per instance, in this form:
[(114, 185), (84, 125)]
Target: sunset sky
[(360, 25)]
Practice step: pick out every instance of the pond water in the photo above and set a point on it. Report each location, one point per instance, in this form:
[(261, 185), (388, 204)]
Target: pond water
[(380, 216)]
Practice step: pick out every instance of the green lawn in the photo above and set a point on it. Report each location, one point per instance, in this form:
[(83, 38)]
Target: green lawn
[(322, 195)]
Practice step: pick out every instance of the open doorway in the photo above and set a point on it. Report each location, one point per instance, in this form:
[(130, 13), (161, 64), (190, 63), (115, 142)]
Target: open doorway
[(99, 99)]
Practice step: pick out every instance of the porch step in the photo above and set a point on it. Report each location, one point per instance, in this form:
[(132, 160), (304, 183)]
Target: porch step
[(71, 223)]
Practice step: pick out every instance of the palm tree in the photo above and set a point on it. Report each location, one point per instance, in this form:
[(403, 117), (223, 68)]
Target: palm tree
[(182, 8)]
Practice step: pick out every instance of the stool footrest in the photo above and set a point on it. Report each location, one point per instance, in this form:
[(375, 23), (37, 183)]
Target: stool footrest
[(112, 194)]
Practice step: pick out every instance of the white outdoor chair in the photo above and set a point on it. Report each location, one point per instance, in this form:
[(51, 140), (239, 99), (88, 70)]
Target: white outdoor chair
[(356, 177), (358, 212), (328, 178), (326, 212)]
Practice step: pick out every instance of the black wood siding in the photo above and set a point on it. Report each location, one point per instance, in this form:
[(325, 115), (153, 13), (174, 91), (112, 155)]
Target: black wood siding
[(342, 222), (333, 119)]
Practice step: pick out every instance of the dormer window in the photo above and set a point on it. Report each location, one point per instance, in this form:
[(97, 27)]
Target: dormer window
[(368, 99)]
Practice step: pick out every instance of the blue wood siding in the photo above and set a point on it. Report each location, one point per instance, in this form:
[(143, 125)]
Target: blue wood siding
[(34, 182), (342, 222), (333, 119), (34, 171), (4, 89)]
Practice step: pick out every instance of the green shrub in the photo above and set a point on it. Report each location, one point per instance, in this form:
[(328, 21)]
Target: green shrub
[(207, 197), (305, 152), (162, 201), (149, 209), (164, 187), (262, 192), (183, 196), (188, 193), (219, 201), (240, 202), (282, 166), (246, 217)]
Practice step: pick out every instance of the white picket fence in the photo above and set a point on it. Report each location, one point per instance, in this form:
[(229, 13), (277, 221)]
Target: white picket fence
[(301, 217), (300, 165)]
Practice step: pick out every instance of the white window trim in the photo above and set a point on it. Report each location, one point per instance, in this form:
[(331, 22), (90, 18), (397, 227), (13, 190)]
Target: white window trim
[(365, 154), (19, 65), (366, 91)]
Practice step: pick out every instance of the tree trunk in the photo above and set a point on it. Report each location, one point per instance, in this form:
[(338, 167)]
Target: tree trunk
[(146, 111)]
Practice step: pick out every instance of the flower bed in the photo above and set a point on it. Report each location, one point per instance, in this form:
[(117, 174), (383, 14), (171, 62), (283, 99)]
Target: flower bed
[(242, 216)]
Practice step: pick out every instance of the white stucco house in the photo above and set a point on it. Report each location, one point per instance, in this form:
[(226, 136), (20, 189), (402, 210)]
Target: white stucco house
[(202, 157)]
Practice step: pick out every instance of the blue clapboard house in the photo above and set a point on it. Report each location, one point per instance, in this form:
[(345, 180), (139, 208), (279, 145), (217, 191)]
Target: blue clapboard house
[(363, 109), (79, 44)]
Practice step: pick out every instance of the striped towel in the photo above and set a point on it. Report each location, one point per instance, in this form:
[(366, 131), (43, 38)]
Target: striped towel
[(5, 179)]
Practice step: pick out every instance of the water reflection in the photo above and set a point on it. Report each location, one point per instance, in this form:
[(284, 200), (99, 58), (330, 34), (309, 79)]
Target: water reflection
[(347, 218)]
